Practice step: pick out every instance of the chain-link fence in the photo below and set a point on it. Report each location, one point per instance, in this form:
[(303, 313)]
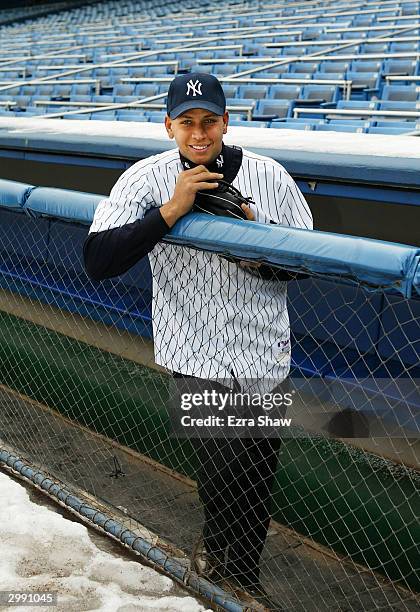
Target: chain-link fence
[(336, 452)]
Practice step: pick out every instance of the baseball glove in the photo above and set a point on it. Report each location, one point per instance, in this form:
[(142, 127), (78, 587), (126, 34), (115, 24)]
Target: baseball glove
[(225, 201)]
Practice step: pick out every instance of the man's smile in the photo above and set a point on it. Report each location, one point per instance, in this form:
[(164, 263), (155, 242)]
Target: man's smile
[(199, 147)]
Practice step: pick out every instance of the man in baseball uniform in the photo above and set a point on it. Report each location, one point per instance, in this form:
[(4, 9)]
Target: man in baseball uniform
[(214, 319)]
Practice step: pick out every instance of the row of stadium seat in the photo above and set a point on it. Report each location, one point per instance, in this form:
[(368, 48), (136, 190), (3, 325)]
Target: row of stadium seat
[(339, 125), (267, 100), (249, 91), (409, 67), (264, 110)]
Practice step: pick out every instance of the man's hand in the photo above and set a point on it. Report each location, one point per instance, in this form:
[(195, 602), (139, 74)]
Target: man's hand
[(187, 185), (249, 214)]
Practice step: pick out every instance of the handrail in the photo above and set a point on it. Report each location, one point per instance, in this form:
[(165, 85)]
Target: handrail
[(96, 82), (247, 36), (339, 14), (345, 84), (404, 17), (407, 77), (354, 112), (371, 27), (127, 65), (309, 58), (320, 43), (104, 106)]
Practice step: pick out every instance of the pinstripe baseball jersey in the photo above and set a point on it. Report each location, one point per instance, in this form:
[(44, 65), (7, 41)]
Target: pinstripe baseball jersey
[(211, 317)]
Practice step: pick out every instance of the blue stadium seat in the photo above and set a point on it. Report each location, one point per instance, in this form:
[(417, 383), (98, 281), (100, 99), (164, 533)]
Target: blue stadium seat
[(402, 47), (300, 120), (137, 72), (221, 70), (239, 102), (188, 65), (411, 125), (234, 116), (353, 121), (116, 71), (266, 75), (306, 67), (126, 89), (365, 66), (146, 90), (400, 93), (58, 109), (131, 115), (273, 108), (61, 92), (208, 55), (254, 92), (104, 116), (125, 99), (399, 66), (44, 90), (224, 53), (333, 76), (284, 92), (103, 99), (80, 116), (363, 20), (357, 104), (320, 93), (101, 72), (292, 125), (276, 72), (250, 124), (156, 71), (347, 36), (77, 98), (334, 66), (80, 90), (364, 84), (395, 105), (35, 110), (230, 91), (22, 101), (293, 51), (387, 130), (339, 127), (303, 76), (374, 48), (156, 117), (345, 51), (26, 90)]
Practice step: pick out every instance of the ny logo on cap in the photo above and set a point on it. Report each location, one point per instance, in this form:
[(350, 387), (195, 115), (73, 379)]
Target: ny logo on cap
[(194, 88)]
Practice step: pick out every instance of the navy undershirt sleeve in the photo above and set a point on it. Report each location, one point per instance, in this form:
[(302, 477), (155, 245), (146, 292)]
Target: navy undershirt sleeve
[(112, 252)]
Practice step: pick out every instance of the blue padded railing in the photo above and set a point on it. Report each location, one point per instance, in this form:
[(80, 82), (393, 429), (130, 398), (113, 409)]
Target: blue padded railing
[(343, 319)]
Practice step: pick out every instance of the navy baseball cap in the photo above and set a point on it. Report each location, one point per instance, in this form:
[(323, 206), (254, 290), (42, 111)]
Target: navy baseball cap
[(195, 90)]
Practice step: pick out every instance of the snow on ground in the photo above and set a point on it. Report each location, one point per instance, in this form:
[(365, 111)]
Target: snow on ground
[(43, 551)]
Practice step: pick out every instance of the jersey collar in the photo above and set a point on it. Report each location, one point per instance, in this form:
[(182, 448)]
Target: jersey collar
[(225, 163)]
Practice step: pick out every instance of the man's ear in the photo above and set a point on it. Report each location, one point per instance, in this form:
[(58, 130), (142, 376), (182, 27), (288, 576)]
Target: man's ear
[(225, 121), (168, 126)]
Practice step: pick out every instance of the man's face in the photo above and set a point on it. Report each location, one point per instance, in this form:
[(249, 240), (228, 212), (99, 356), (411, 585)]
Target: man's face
[(198, 134)]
